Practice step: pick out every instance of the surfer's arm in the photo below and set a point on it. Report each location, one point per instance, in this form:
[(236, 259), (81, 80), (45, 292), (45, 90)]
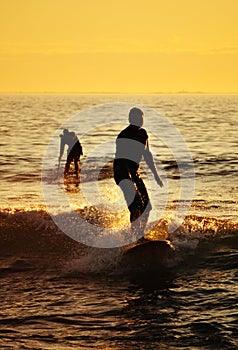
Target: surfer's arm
[(150, 162), (62, 145)]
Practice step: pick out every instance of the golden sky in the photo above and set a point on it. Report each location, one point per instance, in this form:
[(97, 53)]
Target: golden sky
[(118, 46)]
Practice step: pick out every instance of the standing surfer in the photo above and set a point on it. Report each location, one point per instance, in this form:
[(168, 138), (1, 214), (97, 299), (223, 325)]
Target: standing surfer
[(131, 144), (74, 150)]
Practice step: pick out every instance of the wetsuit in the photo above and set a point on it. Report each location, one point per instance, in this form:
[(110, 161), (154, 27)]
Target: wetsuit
[(131, 145), (74, 150)]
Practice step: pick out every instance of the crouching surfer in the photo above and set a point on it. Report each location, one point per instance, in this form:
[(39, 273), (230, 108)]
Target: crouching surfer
[(74, 150)]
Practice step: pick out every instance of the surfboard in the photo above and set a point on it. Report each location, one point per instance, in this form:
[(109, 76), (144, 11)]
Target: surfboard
[(150, 254)]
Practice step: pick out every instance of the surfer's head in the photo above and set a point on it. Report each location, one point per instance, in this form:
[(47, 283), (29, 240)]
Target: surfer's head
[(136, 117), (65, 132)]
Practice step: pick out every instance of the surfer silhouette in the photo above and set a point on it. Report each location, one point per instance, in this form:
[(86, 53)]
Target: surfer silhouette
[(74, 150), (131, 145)]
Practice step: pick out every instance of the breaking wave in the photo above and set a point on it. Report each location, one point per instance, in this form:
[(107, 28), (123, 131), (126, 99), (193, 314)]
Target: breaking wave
[(30, 239)]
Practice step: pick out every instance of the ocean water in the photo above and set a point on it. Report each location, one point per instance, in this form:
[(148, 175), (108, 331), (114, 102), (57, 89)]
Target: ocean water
[(58, 293)]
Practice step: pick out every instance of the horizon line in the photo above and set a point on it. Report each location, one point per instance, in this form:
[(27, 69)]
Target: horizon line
[(180, 92)]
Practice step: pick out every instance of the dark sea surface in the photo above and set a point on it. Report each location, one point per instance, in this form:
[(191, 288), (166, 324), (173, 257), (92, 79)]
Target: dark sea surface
[(58, 293)]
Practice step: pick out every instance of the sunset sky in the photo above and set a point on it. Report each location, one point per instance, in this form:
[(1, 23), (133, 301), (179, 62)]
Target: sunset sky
[(119, 46)]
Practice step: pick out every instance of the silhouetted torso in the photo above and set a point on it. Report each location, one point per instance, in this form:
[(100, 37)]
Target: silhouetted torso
[(130, 145), (74, 146)]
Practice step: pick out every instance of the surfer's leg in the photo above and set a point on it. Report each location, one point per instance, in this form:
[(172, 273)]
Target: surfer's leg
[(67, 165), (129, 192), (141, 189), (124, 180), (136, 213), (145, 205), (76, 159), (142, 193), (133, 201)]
